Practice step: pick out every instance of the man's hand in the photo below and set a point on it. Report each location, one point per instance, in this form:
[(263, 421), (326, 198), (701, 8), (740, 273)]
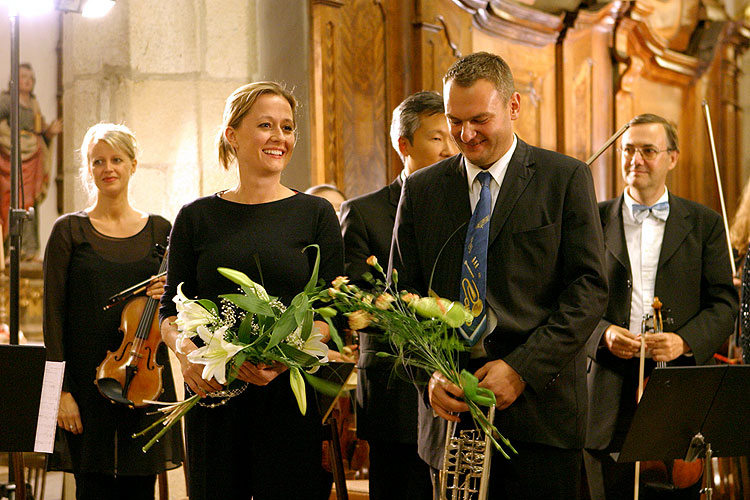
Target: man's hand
[(443, 396), (621, 342), (501, 379), (666, 346)]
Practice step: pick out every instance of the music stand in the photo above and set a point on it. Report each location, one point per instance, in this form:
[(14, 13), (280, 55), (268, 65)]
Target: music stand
[(689, 412)]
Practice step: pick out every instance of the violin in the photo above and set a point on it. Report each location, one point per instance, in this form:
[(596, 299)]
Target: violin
[(672, 474), (131, 375)]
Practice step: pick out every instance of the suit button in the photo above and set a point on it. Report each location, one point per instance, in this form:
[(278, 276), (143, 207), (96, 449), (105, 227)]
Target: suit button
[(629, 283)]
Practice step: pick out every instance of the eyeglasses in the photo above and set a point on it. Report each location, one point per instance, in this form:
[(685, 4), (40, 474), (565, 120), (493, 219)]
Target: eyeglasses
[(647, 152)]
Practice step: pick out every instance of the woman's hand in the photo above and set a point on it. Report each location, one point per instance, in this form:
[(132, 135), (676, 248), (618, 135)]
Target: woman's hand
[(259, 374), (192, 373), (155, 289), (68, 415)]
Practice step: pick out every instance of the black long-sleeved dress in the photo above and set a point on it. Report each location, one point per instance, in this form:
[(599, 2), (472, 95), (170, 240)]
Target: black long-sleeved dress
[(257, 444), (82, 268)]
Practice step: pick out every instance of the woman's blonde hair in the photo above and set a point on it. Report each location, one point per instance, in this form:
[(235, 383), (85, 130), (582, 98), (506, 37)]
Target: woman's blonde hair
[(739, 233), (238, 105), (119, 137)]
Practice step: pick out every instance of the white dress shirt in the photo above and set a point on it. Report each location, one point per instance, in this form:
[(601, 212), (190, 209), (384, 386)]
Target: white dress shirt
[(644, 247), (497, 171)]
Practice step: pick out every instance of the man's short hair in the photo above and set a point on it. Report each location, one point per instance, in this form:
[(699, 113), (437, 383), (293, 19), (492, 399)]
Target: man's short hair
[(669, 127), (407, 117), (467, 70)]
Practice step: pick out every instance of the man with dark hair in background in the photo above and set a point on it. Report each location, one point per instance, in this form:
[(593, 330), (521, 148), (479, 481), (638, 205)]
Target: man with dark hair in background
[(386, 404)]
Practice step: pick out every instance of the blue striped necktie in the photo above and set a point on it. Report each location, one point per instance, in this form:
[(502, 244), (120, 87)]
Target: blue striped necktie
[(474, 265)]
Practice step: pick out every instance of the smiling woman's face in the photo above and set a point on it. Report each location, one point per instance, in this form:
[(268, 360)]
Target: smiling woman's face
[(264, 140)]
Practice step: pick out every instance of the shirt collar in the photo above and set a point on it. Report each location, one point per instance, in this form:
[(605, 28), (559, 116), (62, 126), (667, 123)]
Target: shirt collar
[(497, 170)]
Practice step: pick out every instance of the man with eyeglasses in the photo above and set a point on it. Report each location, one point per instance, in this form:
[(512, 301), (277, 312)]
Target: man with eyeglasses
[(657, 245)]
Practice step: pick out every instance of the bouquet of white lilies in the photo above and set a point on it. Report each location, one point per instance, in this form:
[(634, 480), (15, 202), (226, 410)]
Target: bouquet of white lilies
[(250, 326)]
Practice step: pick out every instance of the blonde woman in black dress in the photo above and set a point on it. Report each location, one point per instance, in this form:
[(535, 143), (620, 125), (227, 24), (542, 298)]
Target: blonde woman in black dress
[(256, 445), (91, 255)]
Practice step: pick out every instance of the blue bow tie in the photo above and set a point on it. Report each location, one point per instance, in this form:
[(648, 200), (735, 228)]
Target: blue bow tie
[(660, 211)]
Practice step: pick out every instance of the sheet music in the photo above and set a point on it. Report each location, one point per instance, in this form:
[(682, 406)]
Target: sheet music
[(48, 406)]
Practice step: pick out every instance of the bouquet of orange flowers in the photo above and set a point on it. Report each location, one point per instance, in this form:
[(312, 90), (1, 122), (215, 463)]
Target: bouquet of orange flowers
[(420, 332)]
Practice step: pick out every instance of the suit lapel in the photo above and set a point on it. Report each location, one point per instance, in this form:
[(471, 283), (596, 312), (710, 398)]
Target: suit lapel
[(678, 226), (394, 194), (456, 193), (614, 234), (517, 177), (394, 191)]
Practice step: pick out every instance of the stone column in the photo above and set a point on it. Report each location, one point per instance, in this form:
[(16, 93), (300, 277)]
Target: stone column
[(164, 69)]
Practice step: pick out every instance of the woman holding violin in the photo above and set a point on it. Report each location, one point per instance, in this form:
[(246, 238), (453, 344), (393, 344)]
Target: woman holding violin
[(255, 444), (91, 255)]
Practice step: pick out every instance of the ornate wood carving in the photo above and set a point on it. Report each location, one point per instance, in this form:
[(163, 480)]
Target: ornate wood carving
[(523, 24), (581, 75)]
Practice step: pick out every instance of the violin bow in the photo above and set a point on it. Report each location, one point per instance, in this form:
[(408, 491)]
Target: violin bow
[(658, 328), (707, 115), (607, 144)]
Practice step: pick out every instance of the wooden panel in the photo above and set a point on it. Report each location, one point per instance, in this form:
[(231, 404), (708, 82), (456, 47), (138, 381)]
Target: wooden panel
[(586, 94), (444, 33), (357, 74)]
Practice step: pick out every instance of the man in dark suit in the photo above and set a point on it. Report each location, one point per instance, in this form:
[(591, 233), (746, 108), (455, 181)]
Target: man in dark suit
[(386, 404), (545, 285), (657, 245)]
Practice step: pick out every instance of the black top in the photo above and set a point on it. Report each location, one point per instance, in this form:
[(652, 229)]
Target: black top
[(212, 232), (745, 310), (82, 268), (259, 436)]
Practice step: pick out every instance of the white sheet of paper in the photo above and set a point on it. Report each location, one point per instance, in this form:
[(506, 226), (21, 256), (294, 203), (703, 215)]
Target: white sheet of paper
[(48, 406)]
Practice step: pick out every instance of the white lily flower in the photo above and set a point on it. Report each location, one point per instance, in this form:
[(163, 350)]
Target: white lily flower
[(215, 354), (190, 314), (315, 347)]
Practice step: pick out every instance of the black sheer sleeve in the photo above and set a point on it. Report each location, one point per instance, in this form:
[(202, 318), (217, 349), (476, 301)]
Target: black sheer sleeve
[(56, 259)]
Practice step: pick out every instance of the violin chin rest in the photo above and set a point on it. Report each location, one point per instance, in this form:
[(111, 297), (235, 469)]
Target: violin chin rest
[(111, 389)]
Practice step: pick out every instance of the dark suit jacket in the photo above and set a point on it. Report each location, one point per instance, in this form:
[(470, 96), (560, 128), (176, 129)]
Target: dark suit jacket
[(545, 271), (387, 404), (693, 281)]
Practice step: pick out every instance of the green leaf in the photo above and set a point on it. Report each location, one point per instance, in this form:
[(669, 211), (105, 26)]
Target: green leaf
[(208, 305), (297, 356), (298, 388), (245, 331), (323, 386), (334, 335), (480, 395), (284, 326), (310, 287), (249, 303), (307, 324), (300, 303)]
